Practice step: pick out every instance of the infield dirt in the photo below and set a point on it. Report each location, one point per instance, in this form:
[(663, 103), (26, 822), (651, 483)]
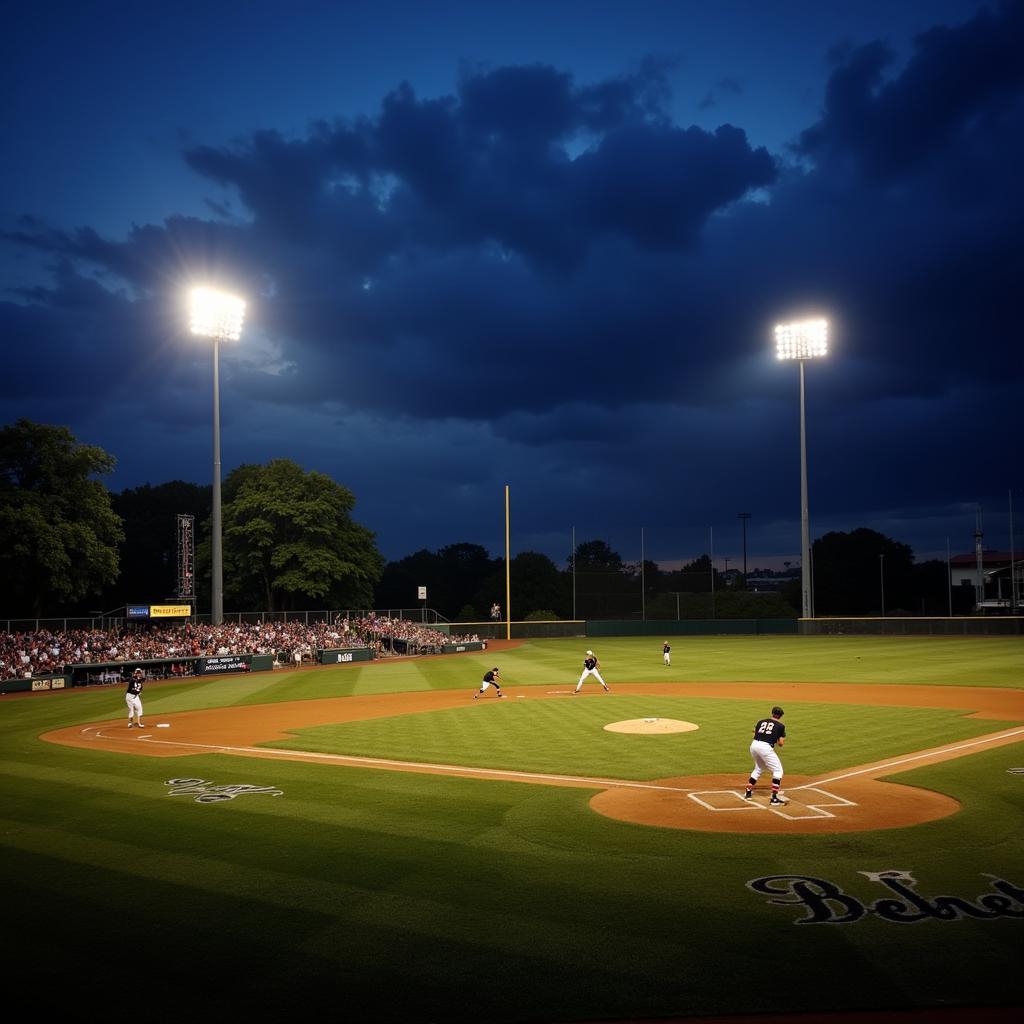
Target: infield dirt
[(850, 799)]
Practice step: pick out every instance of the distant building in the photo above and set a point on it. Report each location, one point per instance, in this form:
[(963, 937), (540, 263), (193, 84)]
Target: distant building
[(993, 587)]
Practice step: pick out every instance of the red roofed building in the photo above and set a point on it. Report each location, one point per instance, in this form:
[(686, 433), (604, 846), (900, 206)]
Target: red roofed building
[(994, 585)]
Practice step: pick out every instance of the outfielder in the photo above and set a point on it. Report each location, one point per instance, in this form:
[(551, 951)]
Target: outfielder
[(769, 733), (133, 698), (590, 668), (666, 653), (490, 679)]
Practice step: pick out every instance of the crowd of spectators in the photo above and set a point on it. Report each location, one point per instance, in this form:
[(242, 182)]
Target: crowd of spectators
[(44, 651)]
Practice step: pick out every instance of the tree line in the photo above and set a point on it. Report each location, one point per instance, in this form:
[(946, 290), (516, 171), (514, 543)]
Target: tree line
[(290, 542)]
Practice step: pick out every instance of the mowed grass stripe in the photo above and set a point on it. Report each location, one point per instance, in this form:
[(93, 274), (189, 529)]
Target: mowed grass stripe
[(522, 904), (568, 736)]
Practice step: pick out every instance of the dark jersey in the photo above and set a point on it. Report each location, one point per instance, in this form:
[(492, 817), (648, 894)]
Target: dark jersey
[(135, 686), (771, 730), (590, 664), (489, 678), (666, 649)]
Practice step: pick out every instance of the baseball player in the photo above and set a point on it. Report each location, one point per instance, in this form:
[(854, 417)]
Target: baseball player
[(133, 698), (769, 733), (590, 668), (666, 653), (490, 679)]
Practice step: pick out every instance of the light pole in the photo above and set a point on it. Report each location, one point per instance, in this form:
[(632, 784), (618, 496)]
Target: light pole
[(881, 580), (743, 517), (803, 340), (219, 317)]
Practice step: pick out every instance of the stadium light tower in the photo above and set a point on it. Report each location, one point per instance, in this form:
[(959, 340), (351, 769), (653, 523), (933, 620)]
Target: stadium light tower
[(219, 317), (803, 340)]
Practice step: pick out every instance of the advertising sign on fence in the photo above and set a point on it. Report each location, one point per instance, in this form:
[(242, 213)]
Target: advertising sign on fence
[(48, 683), (170, 611), (223, 663), (343, 657)]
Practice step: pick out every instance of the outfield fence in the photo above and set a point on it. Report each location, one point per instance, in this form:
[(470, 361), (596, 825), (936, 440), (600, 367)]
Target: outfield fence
[(1005, 625)]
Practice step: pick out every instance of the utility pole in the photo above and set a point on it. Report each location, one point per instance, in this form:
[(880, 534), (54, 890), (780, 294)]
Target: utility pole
[(743, 517)]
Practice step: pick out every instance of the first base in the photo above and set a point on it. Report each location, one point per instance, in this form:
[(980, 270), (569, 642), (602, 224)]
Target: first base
[(163, 725)]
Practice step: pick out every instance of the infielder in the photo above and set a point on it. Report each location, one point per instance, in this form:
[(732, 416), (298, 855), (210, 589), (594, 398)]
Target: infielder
[(133, 698), (666, 653), (490, 679), (769, 733), (590, 668)]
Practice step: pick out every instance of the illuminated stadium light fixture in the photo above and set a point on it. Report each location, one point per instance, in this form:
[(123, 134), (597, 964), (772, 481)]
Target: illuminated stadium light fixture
[(803, 340), (218, 316)]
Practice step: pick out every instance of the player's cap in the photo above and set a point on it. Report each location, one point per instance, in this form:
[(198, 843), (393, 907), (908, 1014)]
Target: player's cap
[(495, 669), (777, 712), (590, 652)]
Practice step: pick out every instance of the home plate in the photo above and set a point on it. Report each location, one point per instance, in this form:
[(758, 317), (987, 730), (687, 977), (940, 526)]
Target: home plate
[(163, 725)]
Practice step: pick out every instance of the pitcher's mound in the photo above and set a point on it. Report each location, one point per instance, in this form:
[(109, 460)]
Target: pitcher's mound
[(652, 726)]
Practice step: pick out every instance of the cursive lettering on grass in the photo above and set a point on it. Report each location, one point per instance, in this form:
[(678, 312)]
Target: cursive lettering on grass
[(207, 793), (825, 902)]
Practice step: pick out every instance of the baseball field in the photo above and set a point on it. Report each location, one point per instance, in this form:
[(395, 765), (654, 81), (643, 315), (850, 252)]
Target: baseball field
[(370, 839)]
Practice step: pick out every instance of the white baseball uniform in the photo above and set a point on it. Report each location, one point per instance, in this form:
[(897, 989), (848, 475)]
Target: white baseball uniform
[(590, 668), (133, 698), (765, 758)]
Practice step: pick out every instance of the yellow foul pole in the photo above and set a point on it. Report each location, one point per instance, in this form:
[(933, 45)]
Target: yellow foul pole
[(508, 580)]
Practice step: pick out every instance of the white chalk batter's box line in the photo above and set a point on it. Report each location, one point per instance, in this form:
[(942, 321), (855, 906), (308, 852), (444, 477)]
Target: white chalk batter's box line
[(783, 811)]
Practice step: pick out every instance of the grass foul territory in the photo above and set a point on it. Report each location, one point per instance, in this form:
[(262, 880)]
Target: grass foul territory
[(369, 839)]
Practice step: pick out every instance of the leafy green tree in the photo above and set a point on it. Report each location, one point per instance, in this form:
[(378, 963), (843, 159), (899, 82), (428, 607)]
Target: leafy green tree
[(597, 556), (60, 531), (149, 557), (536, 585), (464, 574), (290, 540), (692, 578), (932, 592), (400, 579), (606, 587), (460, 579), (849, 569)]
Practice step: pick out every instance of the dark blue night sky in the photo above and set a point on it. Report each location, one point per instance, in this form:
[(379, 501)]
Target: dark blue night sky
[(541, 244)]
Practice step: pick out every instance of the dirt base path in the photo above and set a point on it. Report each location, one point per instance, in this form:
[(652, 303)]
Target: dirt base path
[(848, 800)]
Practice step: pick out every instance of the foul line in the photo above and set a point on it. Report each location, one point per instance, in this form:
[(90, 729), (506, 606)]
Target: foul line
[(468, 772), (992, 738), (453, 769)]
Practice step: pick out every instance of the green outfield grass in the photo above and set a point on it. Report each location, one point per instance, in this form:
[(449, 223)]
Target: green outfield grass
[(402, 897), (568, 736)]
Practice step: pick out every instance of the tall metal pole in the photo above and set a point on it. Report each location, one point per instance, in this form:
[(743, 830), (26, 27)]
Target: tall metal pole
[(643, 595), (743, 517), (949, 579), (1013, 562), (574, 574), (508, 577), (979, 558), (711, 556), (881, 579), (217, 610), (805, 529), (219, 317)]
